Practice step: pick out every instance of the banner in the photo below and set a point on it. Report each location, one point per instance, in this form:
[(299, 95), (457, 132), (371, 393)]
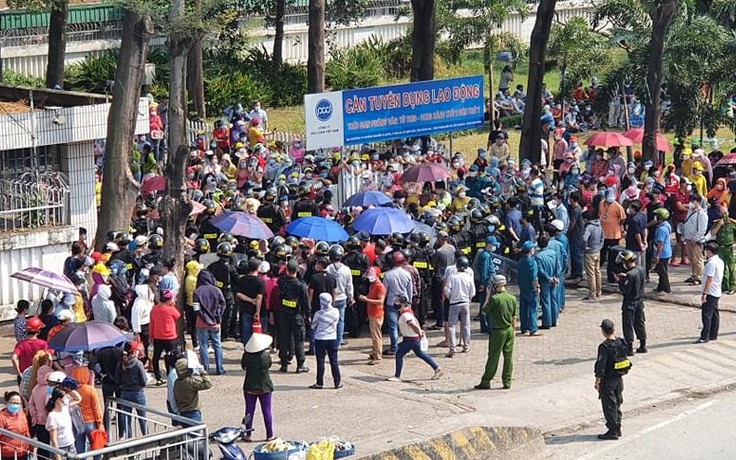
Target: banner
[(394, 112)]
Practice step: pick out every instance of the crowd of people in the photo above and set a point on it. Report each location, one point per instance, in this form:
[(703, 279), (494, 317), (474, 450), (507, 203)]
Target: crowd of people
[(492, 222)]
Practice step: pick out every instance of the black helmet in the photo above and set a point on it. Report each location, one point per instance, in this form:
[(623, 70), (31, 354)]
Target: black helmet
[(226, 237), (462, 263), (409, 254), (156, 241), (353, 243), (142, 210), (292, 241), (270, 195), (423, 237), (415, 238), (123, 239), (277, 240), (322, 248), (110, 236), (474, 203), (441, 227), (364, 236), (304, 191), (243, 268), (455, 223), (335, 252), (396, 239), (225, 249), (476, 216), (210, 206), (280, 251), (201, 246)]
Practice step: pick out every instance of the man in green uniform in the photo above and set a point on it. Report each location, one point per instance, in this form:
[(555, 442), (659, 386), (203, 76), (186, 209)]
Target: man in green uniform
[(503, 310), (725, 231), (610, 366)]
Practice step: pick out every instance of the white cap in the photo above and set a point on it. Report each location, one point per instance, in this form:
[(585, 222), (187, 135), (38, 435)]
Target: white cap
[(265, 267), (558, 224)]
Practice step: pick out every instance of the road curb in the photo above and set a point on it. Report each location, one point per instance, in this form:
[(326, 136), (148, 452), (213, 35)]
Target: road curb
[(472, 443), (673, 299)]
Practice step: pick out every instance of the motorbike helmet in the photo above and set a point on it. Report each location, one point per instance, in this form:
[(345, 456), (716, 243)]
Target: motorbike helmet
[(277, 241), (226, 237), (322, 248), (225, 249), (280, 251), (476, 216), (201, 246), (396, 239), (156, 241), (335, 253), (455, 224), (423, 237), (353, 243), (625, 256), (292, 241), (462, 263), (210, 206)]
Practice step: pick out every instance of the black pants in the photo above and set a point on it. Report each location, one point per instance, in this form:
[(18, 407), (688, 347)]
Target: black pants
[(227, 316), (611, 394), (664, 277), (328, 348), (42, 435), (634, 321), (711, 318), (146, 340), (191, 317), (424, 301), (437, 304), (108, 391), (355, 317), (291, 328), (159, 346), (607, 244)]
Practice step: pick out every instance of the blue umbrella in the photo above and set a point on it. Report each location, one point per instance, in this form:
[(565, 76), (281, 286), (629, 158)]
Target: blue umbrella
[(317, 228), (242, 224), (384, 221), (370, 198)]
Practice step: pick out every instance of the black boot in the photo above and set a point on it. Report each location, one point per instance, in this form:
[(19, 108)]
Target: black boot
[(610, 435), (618, 431), (630, 349), (642, 347)]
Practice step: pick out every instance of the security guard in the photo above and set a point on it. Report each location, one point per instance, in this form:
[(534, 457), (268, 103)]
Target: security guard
[(206, 229), (304, 206), (631, 284), (270, 213), (358, 263), (126, 255), (422, 262), (460, 238), (155, 246), (201, 247), (610, 366), (225, 277), (478, 232), (503, 310), (294, 309)]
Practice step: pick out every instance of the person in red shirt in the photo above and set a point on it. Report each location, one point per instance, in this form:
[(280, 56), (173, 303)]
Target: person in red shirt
[(221, 136), (374, 301), (679, 202), (26, 349), (163, 330)]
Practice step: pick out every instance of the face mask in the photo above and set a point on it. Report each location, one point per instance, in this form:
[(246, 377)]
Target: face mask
[(568, 161), (355, 164), (689, 188), (598, 157), (50, 390), (576, 171), (697, 173), (632, 171), (13, 408), (609, 199), (719, 187), (308, 176), (461, 195), (472, 174), (691, 206), (374, 157), (455, 165), (630, 212), (372, 279), (601, 192), (552, 204)]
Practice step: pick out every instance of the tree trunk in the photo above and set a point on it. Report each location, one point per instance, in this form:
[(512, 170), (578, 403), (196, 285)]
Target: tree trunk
[(175, 206), (424, 28), (316, 47), (119, 188), (278, 38), (57, 43), (195, 79), (662, 17), (531, 129)]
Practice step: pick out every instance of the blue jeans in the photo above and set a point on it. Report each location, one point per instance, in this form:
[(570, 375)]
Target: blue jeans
[(528, 313), (576, 260), (81, 442), (247, 327), (192, 414), (392, 321), (125, 428), (204, 335), (412, 344), (340, 305), (328, 348)]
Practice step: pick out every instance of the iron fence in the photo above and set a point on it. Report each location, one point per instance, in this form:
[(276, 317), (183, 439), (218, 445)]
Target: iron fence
[(33, 200)]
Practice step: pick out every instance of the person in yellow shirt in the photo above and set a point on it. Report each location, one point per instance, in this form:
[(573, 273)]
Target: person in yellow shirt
[(255, 134), (700, 184), (687, 163), (228, 168), (190, 285), (460, 203)]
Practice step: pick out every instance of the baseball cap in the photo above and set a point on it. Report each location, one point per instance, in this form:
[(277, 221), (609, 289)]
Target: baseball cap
[(607, 325), (265, 267)]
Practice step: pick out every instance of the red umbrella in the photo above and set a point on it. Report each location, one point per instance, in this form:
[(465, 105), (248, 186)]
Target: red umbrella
[(609, 139), (637, 136), (426, 172), (728, 160), (197, 208), (154, 184)]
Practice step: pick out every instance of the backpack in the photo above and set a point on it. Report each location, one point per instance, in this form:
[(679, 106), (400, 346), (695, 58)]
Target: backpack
[(621, 363)]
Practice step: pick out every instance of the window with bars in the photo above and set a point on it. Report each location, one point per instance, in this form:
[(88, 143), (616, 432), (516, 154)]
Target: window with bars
[(33, 191)]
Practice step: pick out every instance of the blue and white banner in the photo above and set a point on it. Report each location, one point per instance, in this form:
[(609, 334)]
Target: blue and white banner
[(393, 112)]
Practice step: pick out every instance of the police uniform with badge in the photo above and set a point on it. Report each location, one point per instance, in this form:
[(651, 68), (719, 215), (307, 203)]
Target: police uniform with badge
[(631, 284), (293, 309), (127, 257), (422, 262), (459, 237), (478, 232), (358, 264), (206, 229), (271, 214), (304, 206), (225, 276), (611, 365)]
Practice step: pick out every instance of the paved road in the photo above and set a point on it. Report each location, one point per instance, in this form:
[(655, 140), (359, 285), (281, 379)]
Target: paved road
[(696, 429)]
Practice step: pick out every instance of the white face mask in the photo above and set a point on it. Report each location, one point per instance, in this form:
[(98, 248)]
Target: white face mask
[(372, 279), (461, 195)]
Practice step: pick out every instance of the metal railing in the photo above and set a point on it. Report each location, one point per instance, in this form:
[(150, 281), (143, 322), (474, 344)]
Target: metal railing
[(169, 437), (33, 200)]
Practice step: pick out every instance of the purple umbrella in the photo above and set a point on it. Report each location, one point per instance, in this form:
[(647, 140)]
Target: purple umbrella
[(46, 279), (242, 224), (87, 336)]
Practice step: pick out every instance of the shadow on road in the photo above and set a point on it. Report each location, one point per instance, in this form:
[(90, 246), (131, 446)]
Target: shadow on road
[(570, 439)]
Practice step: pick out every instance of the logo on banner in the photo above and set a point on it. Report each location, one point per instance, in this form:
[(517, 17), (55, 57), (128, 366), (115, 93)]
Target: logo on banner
[(323, 110)]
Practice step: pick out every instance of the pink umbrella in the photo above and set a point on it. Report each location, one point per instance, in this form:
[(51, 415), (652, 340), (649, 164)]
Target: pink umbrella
[(609, 139), (197, 209), (426, 172), (154, 184), (728, 160), (45, 278), (637, 136)]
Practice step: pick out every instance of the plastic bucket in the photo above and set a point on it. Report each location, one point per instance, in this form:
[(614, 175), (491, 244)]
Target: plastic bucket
[(299, 452)]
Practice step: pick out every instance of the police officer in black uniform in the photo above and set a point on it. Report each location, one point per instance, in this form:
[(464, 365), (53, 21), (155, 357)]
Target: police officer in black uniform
[(294, 310), (631, 284), (270, 213), (358, 263), (459, 237), (225, 276), (304, 206), (206, 229), (155, 247), (140, 222), (422, 262), (478, 232), (610, 366), (201, 247), (127, 257)]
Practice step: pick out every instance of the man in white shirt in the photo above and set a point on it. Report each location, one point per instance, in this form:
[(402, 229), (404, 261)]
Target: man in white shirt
[(259, 113), (693, 235), (712, 279), (344, 289), (459, 290)]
